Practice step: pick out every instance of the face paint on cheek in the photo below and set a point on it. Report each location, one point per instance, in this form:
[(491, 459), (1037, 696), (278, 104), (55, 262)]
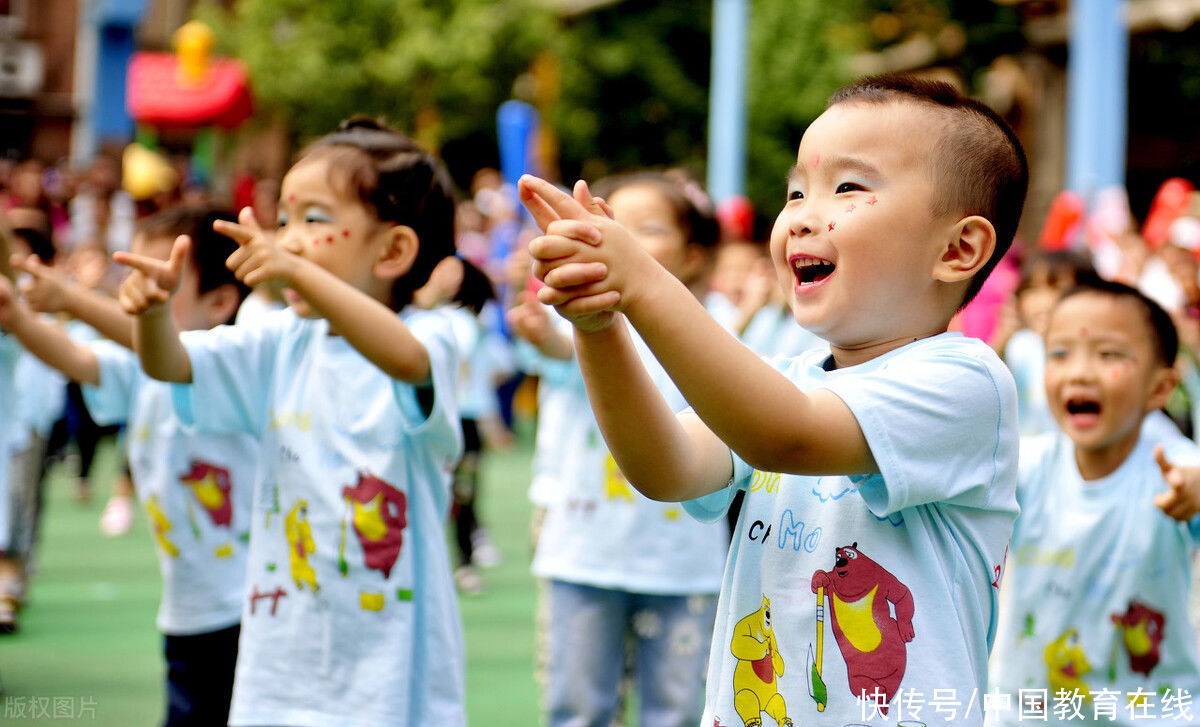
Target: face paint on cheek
[(831, 226), (345, 233), (873, 201), (316, 242), (850, 207), (329, 239), (291, 198)]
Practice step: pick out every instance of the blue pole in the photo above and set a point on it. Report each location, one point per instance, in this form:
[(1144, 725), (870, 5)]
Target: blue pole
[(1097, 69), (727, 100)]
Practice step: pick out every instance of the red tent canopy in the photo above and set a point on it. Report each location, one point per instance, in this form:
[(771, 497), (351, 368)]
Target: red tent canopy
[(155, 95)]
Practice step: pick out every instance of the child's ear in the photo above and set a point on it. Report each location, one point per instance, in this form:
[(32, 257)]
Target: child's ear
[(221, 303), (1165, 380), (970, 248), (401, 252)]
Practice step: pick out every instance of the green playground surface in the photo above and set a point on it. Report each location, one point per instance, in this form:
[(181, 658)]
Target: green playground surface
[(88, 651)]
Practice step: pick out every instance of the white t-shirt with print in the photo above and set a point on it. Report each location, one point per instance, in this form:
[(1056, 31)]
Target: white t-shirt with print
[(906, 561), (1096, 589), (195, 487), (350, 615), (602, 532)]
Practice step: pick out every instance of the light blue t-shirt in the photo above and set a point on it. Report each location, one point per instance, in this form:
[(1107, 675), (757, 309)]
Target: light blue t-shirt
[(14, 432), (195, 486), (1096, 590), (350, 615), (907, 561)]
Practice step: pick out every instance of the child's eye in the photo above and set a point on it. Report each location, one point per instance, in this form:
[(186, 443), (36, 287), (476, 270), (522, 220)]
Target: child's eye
[(316, 215), (281, 220), (1111, 355), (1056, 353), (848, 187), (795, 194)]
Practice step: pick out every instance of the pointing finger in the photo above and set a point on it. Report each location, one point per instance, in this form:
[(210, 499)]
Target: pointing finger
[(562, 203)]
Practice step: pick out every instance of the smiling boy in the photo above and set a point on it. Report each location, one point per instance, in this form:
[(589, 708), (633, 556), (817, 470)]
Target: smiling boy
[(879, 475), (1095, 624)]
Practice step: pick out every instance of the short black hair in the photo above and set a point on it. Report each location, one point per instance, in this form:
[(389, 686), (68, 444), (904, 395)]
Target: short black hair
[(210, 248), (979, 163), (1064, 269), (1166, 338)]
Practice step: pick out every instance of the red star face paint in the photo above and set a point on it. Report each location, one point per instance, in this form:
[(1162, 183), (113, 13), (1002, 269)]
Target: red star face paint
[(872, 201), (345, 233), (850, 207), (831, 226)]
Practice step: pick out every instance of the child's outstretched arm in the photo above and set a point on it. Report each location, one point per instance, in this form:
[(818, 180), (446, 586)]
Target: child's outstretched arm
[(1182, 501), (370, 326), (46, 340), (49, 291), (146, 294), (592, 267)]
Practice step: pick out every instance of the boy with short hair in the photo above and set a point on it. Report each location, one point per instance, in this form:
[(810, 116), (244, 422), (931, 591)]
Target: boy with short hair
[(196, 488), (862, 581), (1095, 624)]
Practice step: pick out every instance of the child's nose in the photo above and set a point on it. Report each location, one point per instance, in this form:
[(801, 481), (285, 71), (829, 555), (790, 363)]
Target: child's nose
[(290, 241)]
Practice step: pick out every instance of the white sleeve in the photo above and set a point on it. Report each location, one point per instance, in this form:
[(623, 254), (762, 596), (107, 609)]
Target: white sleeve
[(434, 420), (941, 425), (232, 368), (109, 401)]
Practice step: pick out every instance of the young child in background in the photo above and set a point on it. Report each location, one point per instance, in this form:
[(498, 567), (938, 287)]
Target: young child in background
[(196, 488), (350, 615), (880, 475), (1044, 277), (623, 570), (1095, 623)]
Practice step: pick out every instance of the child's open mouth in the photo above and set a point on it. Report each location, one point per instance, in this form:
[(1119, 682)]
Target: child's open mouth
[(810, 270), (1083, 412)]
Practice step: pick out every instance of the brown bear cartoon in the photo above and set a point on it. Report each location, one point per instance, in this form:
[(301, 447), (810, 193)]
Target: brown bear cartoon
[(871, 641)]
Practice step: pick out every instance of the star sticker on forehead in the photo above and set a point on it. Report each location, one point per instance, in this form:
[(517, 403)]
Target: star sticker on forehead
[(831, 226)]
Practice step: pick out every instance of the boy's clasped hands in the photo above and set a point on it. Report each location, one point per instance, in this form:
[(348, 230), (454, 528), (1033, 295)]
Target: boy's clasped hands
[(591, 265)]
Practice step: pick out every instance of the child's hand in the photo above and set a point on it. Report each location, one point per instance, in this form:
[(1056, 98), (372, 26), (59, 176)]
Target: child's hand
[(258, 259), (1182, 500), (45, 290), (444, 282), (529, 320), (153, 281), (590, 264), (11, 307)]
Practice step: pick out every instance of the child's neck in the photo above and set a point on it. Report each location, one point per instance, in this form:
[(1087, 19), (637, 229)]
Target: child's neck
[(1099, 463), (852, 356)]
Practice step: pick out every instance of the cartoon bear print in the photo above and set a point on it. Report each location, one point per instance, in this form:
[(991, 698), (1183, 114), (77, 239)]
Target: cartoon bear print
[(759, 664), (873, 644)]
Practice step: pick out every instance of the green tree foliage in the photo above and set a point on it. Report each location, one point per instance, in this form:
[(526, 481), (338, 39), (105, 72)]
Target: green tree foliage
[(451, 63), (634, 87), (798, 54)]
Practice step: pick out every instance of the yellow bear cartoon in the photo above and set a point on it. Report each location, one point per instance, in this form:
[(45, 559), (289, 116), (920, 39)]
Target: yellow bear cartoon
[(755, 689), (300, 544), (1066, 665)]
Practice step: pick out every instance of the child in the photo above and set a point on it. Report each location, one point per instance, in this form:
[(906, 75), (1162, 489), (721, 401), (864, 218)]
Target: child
[(901, 443), (623, 572), (349, 615), (195, 488), (1044, 277), (1095, 624)]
